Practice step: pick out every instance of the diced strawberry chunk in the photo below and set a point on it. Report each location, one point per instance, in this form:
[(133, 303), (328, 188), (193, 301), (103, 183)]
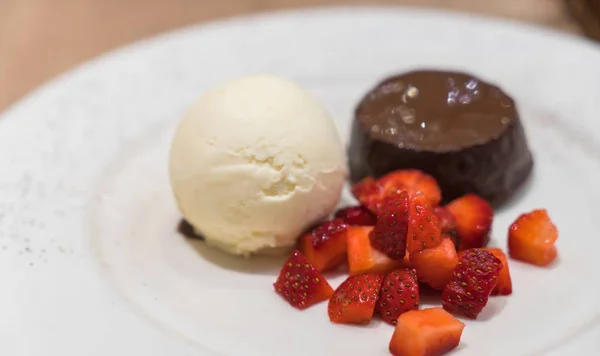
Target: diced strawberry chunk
[(325, 246), (473, 280), (435, 266), (362, 257), (447, 223), (389, 234), (413, 181), (531, 238), (399, 294), (369, 193), (504, 285), (301, 284), (423, 225), (353, 302), (426, 332), (384, 264), (357, 216), (474, 217)]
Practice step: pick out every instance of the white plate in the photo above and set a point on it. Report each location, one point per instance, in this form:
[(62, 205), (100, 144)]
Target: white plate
[(90, 263)]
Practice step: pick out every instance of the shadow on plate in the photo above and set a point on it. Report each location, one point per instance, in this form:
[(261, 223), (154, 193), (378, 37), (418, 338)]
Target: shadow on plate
[(267, 263), (457, 349), (494, 306), (429, 296)]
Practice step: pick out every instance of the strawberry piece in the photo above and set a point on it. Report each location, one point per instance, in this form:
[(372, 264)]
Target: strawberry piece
[(357, 216), (413, 181), (325, 245), (447, 223), (369, 193), (474, 218), (300, 283), (504, 285), (353, 302), (426, 332), (399, 294), (365, 188), (435, 266), (473, 280), (423, 225), (531, 238), (389, 234), (362, 257), (384, 264)]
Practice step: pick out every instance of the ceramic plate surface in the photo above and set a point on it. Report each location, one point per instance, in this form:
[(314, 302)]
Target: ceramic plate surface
[(91, 264)]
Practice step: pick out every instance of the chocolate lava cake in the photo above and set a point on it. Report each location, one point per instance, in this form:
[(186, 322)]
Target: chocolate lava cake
[(461, 130)]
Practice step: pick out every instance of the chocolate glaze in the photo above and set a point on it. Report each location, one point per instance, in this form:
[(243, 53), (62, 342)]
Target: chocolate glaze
[(463, 131)]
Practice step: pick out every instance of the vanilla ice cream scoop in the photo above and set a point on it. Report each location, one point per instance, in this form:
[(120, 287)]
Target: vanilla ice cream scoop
[(254, 162)]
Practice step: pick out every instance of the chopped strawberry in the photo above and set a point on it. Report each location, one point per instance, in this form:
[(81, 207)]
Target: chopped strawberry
[(384, 264), (357, 216), (423, 225), (389, 234), (362, 257), (325, 246), (435, 266), (447, 223), (531, 238), (473, 280), (413, 181), (300, 283), (369, 193), (474, 218), (365, 188), (504, 285), (399, 294), (426, 332), (354, 300)]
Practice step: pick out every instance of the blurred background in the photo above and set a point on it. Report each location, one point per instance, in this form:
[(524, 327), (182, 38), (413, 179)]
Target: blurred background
[(39, 39)]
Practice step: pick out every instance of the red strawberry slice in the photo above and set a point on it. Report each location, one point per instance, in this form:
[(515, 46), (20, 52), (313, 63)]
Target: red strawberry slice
[(531, 238), (300, 284), (325, 245), (389, 234), (413, 181), (423, 225), (474, 278), (474, 217), (354, 300), (357, 216), (399, 294)]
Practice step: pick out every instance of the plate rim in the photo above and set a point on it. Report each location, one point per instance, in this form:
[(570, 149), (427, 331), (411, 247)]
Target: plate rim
[(156, 40)]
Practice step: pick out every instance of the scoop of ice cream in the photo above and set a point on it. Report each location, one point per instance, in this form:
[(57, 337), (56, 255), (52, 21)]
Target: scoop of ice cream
[(254, 162)]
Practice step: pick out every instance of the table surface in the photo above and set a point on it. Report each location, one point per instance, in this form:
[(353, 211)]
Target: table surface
[(40, 39)]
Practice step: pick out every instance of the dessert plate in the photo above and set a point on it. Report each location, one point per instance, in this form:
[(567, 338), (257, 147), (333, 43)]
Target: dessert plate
[(90, 260)]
